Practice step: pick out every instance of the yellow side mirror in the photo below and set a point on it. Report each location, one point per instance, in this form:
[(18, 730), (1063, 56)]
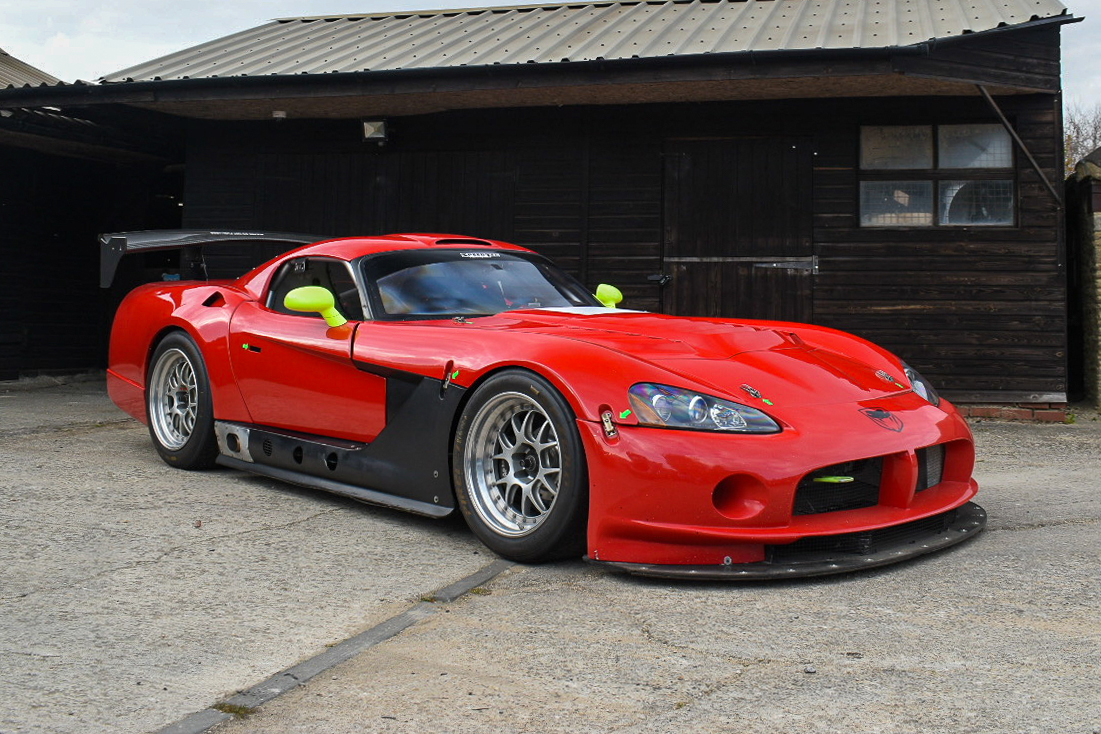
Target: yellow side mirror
[(314, 298), (609, 295)]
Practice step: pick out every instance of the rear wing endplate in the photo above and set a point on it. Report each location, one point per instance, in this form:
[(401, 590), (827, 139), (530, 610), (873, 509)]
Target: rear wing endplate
[(114, 245)]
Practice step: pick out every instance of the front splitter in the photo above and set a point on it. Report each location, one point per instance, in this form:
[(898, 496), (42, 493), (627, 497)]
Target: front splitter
[(967, 522)]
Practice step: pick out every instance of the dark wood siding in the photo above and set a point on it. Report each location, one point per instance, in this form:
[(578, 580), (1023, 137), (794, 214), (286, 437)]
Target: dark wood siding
[(1020, 58), (980, 310), (737, 213), (53, 315), (624, 219)]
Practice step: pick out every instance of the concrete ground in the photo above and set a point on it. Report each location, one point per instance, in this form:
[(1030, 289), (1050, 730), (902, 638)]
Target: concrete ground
[(132, 595)]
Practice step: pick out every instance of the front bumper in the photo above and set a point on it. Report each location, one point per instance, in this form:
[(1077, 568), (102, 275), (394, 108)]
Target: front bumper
[(685, 503), (898, 543)]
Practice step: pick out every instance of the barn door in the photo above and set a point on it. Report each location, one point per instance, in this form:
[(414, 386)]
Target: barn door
[(738, 229)]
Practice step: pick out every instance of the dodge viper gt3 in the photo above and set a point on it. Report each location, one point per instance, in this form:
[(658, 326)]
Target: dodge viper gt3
[(433, 372)]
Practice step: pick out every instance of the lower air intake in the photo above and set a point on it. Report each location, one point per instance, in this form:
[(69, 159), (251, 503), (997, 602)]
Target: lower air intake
[(930, 466), (847, 486)]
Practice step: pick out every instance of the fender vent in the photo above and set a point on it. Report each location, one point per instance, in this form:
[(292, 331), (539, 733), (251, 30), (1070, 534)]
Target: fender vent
[(266, 447), (215, 300)]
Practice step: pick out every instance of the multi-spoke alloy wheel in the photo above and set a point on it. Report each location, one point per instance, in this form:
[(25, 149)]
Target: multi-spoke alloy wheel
[(173, 399), (519, 470), (178, 404), (513, 464)]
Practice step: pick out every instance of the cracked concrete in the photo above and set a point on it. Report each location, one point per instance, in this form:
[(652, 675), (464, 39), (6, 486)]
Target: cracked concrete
[(152, 593), (132, 594), (999, 634)]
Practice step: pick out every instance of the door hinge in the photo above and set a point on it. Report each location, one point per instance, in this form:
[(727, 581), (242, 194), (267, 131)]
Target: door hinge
[(810, 264)]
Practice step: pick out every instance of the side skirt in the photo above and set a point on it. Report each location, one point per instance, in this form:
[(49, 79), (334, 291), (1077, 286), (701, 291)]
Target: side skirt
[(407, 466), (369, 496)]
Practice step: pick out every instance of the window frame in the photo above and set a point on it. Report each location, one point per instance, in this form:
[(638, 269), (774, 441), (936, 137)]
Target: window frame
[(368, 266), (938, 176), (281, 273)]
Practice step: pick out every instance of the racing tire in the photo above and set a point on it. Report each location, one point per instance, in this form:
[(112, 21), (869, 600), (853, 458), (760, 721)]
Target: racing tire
[(178, 405), (519, 469)]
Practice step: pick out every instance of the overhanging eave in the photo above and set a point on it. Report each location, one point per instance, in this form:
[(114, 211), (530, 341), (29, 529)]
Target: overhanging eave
[(900, 71)]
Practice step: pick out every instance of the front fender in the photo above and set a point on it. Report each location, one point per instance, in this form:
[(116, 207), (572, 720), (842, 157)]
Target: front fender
[(592, 378)]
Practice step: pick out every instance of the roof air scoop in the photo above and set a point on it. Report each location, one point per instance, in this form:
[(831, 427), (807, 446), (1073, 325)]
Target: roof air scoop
[(464, 241)]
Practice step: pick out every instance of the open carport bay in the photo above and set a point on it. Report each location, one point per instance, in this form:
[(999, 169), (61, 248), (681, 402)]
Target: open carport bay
[(132, 595)]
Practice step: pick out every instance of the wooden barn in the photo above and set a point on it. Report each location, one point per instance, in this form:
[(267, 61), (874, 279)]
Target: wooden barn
[(885, 168)]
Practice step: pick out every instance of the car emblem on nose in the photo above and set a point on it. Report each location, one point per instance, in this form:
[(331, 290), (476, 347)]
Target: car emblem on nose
[(886, 377), (753, 392), (883, 419)]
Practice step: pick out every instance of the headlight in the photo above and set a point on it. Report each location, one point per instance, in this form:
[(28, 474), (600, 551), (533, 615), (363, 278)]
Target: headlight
[(921, 386), (674, 407)]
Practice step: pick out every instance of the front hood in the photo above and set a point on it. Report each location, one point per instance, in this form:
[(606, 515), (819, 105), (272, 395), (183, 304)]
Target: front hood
[(786, 364), (793, 376)]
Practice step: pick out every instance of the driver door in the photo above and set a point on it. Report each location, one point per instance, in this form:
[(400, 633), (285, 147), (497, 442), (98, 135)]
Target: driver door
[(294, 371)]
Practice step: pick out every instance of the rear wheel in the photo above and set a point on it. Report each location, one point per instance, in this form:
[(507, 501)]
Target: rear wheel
[(519, 469), (178, 405)]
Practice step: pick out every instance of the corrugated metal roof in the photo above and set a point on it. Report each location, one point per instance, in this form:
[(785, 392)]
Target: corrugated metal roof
[(15, 73), (549, 34)]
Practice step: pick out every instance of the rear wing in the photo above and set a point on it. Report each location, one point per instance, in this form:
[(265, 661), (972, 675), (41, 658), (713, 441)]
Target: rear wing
[(190, 242)]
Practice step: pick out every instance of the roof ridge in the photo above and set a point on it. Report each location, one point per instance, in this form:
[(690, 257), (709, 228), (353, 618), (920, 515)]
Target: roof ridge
[(491, 8)]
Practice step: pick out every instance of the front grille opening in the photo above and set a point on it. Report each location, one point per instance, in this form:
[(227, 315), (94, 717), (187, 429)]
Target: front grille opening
[(866, 543), (848, 486), (930, 467)]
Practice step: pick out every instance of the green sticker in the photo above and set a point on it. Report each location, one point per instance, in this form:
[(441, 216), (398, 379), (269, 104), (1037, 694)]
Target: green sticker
[(244, 346), (455, 375), (768, 402), (834, 480), (624, 414)]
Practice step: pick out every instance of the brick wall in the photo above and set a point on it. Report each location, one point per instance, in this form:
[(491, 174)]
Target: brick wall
[(1042, 412)]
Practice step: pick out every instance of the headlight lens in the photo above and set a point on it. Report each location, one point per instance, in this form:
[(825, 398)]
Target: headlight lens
[(921, 386), (674, 407)]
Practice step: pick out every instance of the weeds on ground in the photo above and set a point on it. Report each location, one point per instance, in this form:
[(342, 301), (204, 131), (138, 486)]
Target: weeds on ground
[(235, 710)]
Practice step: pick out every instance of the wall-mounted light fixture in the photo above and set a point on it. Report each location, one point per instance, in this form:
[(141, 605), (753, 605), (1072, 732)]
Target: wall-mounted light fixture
[(374, 131)]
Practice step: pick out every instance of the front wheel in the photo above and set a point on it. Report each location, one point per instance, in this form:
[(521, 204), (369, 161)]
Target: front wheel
[(178, 405), (519, 469)]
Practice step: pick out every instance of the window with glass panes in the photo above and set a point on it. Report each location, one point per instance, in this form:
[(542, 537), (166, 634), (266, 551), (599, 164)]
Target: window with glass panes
[(936, 176)]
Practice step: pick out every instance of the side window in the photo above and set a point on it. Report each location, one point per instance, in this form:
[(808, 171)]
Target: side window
[(936, 176), (334, 275)]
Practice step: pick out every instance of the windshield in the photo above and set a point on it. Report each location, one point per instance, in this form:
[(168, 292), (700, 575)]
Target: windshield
[(440, 283)]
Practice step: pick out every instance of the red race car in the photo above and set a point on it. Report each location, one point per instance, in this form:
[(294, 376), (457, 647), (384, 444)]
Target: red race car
[(435, 372)]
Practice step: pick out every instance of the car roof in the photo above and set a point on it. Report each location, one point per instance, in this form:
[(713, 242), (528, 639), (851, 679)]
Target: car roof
[(351, 248)]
